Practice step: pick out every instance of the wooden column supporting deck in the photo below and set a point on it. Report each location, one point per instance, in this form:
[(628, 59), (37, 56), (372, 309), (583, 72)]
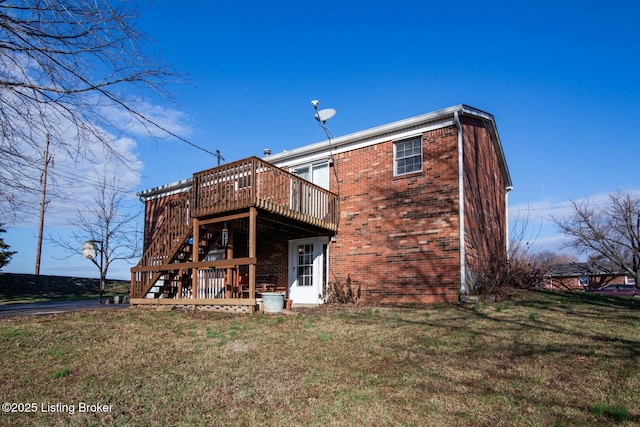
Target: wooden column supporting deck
[(253, 213)]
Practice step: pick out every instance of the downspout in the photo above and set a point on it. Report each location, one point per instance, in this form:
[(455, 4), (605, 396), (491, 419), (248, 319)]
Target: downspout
[(463, 266), (506, 215)]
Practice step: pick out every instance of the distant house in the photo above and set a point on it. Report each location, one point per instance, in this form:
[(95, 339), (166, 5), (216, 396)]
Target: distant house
[(584, 275), (410, 211)]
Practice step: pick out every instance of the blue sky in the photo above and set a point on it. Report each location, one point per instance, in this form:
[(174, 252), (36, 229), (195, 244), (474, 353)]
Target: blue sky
[(560, 77)]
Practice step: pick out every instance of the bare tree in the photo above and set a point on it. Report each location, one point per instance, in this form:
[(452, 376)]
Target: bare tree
[(609, 231), (502, 272), (108, 218), (73, 69), (546, 258)]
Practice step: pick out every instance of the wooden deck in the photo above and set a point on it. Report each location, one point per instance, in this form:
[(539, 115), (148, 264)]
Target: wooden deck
[(253, 182), (192, 223)]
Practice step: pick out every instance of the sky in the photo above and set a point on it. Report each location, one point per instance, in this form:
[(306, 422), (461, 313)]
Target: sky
[(560, 78)]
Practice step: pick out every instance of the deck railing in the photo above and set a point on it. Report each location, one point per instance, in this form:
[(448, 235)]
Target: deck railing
[(254, 182)]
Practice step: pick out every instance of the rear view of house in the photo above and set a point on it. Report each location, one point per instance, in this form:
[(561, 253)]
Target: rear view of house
[(411, 212)]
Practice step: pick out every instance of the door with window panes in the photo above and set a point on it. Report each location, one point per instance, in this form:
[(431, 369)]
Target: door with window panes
[(307, 269)]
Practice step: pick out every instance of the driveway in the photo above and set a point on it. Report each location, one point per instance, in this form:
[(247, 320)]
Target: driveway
[(53, 307)]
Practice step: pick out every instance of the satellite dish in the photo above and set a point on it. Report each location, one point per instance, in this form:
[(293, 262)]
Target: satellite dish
[(324, 115)]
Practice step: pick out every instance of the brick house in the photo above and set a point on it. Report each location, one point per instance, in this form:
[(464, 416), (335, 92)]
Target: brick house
[(585, 275), (411, 211)]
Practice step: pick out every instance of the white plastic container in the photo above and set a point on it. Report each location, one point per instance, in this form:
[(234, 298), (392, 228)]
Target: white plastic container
[(273, 302)]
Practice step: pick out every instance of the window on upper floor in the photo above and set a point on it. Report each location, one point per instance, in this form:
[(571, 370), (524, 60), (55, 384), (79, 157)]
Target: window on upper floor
[(317, 173), (407, 156)]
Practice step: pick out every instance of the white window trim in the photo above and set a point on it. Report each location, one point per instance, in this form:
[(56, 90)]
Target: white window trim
[(395, 156), (295, 169)]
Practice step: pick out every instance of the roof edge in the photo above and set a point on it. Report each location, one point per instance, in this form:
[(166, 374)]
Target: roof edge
[(396, 127), (431, 118)]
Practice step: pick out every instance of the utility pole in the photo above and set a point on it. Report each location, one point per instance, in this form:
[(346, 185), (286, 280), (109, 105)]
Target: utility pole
[(219, 156), (43, 201)]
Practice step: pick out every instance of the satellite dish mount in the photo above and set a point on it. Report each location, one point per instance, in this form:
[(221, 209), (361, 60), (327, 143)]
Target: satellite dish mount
[(322, 116)]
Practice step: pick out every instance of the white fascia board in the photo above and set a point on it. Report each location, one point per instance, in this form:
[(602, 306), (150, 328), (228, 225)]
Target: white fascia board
[(324, 151), (393, 131), (165, 190)]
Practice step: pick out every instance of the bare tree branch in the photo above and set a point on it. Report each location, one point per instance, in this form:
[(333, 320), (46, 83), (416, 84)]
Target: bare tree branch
[(109, 219), (63, 65), (610, 232)]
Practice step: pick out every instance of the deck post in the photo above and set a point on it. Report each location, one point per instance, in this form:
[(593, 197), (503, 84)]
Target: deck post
[(229, 282), (196, 258), (132, 291), (252, 254)]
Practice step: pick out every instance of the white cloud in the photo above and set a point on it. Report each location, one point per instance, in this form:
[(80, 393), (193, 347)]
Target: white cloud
[(544, 210), (174, 121), (536, 218)]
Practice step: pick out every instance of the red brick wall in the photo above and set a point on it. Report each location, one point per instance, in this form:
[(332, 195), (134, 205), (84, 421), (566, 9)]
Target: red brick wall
[(484, 193), (399, 236), (272, 265)]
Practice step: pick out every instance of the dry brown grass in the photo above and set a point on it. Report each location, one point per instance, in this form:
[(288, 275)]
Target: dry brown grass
[(540, 359)]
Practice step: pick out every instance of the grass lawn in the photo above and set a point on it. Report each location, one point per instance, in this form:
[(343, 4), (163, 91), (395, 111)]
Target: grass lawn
[(557, 359)]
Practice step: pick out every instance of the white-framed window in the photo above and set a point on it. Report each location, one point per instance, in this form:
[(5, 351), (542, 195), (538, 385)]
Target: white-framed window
[(407, 156), (317, 173), (583, 281), (630, 280)]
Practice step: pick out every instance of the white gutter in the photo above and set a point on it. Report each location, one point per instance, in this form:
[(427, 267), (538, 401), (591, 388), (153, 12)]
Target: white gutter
[(165, 190), (379, 133), (463, 265)]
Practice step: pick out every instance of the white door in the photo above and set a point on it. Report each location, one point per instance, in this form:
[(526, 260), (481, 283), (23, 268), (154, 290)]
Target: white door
[(307, 270)]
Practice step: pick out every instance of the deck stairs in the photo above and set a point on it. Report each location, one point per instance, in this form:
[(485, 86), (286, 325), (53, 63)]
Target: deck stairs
[(173, 246)]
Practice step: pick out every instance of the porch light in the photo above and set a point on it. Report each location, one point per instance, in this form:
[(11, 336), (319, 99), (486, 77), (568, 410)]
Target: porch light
[(89, 250), (225, 236)]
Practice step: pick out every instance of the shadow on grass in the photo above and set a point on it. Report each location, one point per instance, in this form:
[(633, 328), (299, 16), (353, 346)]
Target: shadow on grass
[(580, 297), (531, 351)]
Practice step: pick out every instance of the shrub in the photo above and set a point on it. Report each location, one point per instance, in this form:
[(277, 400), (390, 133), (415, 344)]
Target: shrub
[(499, 276), (339, 293)]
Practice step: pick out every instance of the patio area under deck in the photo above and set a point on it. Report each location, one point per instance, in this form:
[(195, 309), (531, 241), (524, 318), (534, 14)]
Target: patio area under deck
[(247, 202)]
